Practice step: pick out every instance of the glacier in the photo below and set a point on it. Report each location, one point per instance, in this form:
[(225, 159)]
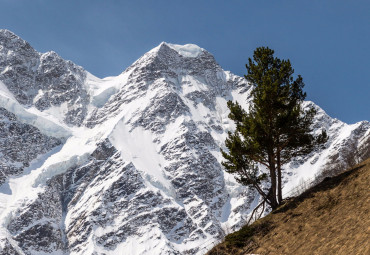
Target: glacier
[(128, 164)]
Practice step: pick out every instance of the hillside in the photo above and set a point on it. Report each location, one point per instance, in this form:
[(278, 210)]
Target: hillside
[(331, 218)]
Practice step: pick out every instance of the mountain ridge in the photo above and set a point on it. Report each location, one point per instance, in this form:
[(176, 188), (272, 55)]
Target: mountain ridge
[(138, 169)]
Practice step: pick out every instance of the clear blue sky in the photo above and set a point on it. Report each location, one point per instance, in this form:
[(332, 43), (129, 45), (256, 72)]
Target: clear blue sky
[(328, 42)]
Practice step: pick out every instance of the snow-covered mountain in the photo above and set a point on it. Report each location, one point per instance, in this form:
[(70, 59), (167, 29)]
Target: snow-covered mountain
[(127, 164)]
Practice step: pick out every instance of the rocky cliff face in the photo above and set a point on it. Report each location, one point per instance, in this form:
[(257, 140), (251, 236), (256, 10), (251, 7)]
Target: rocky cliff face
[(44, 80), (20, 143), (136, 165)]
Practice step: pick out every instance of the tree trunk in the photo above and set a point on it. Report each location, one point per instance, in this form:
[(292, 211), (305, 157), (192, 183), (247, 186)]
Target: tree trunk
[(279, 188), (274, 203)]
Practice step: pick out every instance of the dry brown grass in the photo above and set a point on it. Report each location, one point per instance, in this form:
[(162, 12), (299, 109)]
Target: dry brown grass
[(330, 218)]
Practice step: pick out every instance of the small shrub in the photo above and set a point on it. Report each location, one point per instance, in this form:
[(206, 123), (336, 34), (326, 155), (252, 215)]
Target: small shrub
[(244, 236)]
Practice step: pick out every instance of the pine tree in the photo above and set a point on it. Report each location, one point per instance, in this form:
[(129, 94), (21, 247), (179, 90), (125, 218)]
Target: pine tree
[(274, 130)]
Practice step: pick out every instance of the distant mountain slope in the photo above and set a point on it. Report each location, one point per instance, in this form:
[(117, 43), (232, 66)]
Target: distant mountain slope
[(131, 163), (45, 81), (330, 218)]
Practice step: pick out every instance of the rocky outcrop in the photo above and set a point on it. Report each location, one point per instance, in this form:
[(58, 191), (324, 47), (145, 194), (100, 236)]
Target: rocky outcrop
[(20, 143)]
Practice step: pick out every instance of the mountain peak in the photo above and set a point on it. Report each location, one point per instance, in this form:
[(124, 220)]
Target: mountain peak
[(184, 58), (187, 50), (6, 35), (11, 41)]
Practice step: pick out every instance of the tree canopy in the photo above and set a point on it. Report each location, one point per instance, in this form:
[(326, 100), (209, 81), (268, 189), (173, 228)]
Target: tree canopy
[(275, 129)]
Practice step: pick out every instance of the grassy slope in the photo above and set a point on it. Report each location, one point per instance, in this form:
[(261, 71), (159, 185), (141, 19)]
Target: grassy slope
[(330, 218)]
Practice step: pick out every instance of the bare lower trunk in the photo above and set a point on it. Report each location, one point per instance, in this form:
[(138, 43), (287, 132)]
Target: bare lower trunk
[(272, 192), (279, 188)]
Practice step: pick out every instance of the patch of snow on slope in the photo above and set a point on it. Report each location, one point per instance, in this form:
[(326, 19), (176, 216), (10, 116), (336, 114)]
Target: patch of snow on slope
[(101, 90), (4, 92), (48, 126), (137, 146), (147, 244), (190, 84)]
